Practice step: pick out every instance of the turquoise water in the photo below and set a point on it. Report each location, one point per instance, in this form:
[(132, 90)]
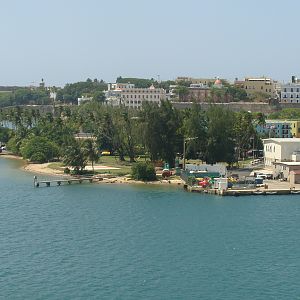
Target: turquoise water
[(132, 242)]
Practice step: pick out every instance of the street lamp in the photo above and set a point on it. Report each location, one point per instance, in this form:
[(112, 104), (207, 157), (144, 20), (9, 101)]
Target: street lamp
[(185, 140)]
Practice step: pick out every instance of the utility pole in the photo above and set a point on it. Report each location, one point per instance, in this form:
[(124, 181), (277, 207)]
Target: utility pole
[(185, 140)]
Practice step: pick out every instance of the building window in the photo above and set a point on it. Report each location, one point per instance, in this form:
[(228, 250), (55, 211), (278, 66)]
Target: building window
[(285, 90), (292, 90)]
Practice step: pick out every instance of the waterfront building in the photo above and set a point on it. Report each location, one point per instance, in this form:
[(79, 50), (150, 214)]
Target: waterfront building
[(259, 86), (280, 150), (283, 170), (133, 97)]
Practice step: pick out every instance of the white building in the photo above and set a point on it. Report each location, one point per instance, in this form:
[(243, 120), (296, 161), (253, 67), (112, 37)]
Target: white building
[(83, 99), (290, 93), (128, 95), (280, 150), (218, 168)]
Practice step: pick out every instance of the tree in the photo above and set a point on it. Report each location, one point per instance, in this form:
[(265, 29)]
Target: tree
[(182, 92), (98, 96), (220, 143), (243, 133), (195, 125), (74, 156), (91, 151), (161, 131), (144, 171), (4, 134), (39, 149)]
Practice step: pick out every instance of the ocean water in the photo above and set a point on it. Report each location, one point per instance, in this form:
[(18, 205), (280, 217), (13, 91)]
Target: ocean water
[(142, 242)]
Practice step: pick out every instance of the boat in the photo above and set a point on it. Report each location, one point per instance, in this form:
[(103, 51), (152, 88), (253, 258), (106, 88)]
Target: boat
[(271, 193), (295, 192), (258, 192)]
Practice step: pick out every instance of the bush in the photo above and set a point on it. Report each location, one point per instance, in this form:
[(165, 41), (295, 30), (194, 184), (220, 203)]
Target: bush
[(12, 146), (38, 157), (67, 170), (143, 171), (39, 149)]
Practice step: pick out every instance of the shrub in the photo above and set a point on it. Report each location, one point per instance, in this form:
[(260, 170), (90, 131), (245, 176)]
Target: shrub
[(12, 146), (143, 171), (67, 170), (38, 157), (39, 149)]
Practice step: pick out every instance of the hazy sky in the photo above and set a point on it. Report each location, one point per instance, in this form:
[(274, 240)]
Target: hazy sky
[(70, 40)]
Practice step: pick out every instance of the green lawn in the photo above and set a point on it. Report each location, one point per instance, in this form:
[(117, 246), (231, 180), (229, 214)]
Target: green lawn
[(110, 161)]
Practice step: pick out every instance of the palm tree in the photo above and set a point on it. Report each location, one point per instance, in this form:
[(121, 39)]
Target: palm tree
[(91, 152)]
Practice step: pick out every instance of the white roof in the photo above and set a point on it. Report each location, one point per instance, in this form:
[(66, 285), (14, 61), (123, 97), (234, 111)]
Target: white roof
[(282, 140), (288, 163)]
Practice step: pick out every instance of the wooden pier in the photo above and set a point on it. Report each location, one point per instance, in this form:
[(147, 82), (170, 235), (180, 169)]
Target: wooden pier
[(58, 182)]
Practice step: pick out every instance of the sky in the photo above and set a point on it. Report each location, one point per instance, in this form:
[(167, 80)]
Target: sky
[(65, 41)]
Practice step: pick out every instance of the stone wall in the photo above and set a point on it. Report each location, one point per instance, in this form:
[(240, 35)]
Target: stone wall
[(241, 106)]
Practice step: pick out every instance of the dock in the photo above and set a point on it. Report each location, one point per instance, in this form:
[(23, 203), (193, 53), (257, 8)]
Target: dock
[(242, 192), (58, 182)]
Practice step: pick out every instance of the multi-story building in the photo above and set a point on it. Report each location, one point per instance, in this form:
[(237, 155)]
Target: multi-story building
[(280, 150), (203, 81), (133, 97), (279, 129), (259, 86), (295, 128), (198, 92), (290, 92)]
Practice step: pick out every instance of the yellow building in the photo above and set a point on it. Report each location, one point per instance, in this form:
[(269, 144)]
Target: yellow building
[(295, 128), (257, 87), (204, 81)]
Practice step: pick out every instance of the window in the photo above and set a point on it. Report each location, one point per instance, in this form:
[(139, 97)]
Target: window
[(285, 90), (292, 90)]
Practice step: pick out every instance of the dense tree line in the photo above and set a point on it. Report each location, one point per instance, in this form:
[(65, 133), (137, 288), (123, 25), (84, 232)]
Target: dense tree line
[(24, 96), (91, 88), (158, 132)]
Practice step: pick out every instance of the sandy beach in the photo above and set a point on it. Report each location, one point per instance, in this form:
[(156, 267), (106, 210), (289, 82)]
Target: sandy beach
[(44, 169)]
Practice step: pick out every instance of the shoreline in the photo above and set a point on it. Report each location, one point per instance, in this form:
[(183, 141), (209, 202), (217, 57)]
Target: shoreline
[(43, 169)]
